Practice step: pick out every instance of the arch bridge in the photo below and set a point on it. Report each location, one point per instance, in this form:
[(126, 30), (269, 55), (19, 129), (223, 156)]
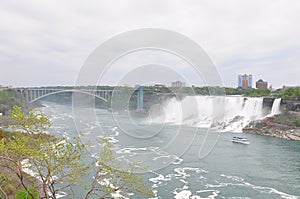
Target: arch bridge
[(35, 94)]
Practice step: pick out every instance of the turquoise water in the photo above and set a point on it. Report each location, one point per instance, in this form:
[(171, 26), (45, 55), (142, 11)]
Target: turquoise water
[(267, 168)]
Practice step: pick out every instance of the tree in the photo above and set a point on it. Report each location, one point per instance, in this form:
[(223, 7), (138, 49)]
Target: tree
[(33, 123), (260, 92), (5, 185), (12, 152), (23, 194), (290, 93), (54, 160), (58, 163), (111, 177), (10, 98)]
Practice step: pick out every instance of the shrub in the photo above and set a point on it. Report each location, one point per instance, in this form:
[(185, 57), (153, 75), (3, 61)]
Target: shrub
[(23, 194), (290, 93), (288, 119)]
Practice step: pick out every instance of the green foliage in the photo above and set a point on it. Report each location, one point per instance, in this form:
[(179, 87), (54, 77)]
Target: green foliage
[(58, 162), (34, 122), (57, 157), (10, 98), (13, 150), (5, 185), (47, 156), (60, 158), (16, 148), (23, 194), (233, 91), (257, 92), (116, 177), (217, 91), (290, 93)]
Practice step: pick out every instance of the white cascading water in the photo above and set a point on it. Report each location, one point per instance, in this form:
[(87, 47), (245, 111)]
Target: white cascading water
[(230, 113), (276, 107)]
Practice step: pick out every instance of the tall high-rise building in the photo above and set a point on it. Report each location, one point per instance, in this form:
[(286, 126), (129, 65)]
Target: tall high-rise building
[(245, 81), (249, 81), (240, 78)]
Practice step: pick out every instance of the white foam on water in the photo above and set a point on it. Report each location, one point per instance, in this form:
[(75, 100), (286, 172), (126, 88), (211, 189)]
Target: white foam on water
[(256, 187), (130, 150), (177, 161), (159, 179), (114, 128), (61, 194), (184, 194), (182, 175), (214, 193)]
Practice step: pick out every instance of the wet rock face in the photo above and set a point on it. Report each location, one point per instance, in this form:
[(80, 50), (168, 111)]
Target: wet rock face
[(294, 106), (285, 105), (268, 103), (290, 105), (259, 124)]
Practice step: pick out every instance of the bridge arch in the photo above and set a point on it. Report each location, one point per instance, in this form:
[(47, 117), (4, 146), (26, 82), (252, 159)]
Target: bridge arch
[(68, 91)]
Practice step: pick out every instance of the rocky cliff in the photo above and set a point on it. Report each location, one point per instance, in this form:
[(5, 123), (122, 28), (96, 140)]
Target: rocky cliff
[(285, 104), (290, 105), (285, 125), (268, 103)]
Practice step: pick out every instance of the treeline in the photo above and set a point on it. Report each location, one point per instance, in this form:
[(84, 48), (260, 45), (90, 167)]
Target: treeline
[(290, 93), (205, 90), (10, 98), (211, 90)]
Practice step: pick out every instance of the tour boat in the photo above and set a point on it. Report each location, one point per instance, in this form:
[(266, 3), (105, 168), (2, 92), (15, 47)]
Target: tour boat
[(240, 140)]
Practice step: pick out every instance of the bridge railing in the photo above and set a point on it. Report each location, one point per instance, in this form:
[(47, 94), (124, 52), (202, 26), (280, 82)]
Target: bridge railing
[(31, 94)]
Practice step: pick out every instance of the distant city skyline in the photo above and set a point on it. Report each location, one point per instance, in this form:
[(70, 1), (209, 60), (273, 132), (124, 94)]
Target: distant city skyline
[(265, 84), (46, 43)]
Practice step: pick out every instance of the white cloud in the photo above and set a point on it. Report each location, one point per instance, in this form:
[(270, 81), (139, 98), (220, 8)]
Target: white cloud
[(49, 40)]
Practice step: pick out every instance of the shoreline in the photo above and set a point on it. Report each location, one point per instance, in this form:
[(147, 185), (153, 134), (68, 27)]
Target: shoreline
[(287, 135), (275, 126)]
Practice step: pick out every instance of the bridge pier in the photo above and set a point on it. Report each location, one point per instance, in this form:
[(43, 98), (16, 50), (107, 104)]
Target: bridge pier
[(140, 99)]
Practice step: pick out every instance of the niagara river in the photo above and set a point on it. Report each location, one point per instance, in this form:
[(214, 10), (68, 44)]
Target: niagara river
[(208, 164)]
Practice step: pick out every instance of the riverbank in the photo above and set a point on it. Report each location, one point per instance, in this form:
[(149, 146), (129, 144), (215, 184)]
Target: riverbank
[(285, 125), (10, 183), (6, 121)]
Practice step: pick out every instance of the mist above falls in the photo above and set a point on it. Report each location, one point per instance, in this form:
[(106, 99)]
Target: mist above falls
[(226, 113)]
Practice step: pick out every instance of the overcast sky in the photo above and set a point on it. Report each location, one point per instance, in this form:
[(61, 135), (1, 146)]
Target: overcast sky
[(46, 42)]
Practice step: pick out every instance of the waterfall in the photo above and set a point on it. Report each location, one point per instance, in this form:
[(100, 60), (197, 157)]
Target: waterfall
[(276, 107), (230, 113)]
